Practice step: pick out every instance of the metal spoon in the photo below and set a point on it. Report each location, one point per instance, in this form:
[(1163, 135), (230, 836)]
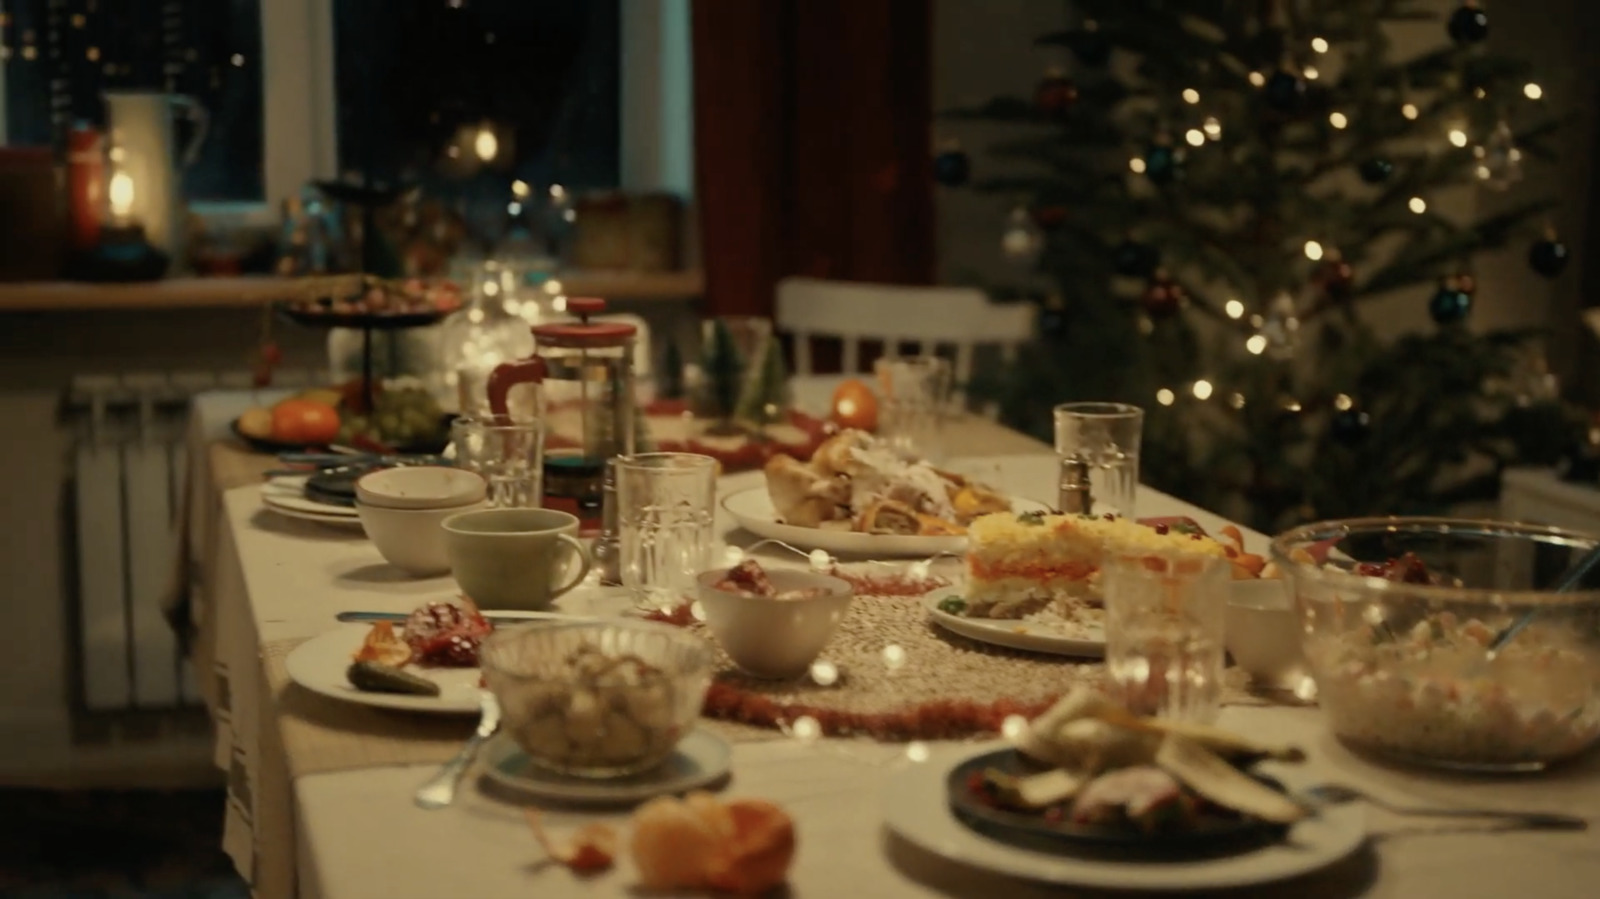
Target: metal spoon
[(440, 790), (1330, 794), (1570, 580)]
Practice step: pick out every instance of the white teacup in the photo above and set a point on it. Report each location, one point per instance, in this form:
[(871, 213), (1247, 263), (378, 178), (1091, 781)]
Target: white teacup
[(515, 558)]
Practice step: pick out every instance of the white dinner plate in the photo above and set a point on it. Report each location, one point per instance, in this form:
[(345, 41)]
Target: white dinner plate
[(916, 807), (319, 665), (288, 493), (754, 511), (1013, 633), (701, 758)]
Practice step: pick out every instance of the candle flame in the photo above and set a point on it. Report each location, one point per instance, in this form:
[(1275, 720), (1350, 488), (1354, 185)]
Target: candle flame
[(120, 193)]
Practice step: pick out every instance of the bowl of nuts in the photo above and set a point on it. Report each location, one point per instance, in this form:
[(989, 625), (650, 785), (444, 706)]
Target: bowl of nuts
[(597, 699)]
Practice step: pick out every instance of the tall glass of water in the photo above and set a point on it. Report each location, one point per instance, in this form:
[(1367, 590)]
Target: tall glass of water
[(916, 399), (665, 511), (1106, 436), (509, 456), (1164, 624)]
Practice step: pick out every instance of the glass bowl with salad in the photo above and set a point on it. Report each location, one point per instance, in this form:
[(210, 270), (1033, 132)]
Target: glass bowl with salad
[(1443, 642)]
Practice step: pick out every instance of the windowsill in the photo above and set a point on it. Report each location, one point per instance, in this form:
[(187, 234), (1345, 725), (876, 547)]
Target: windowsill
[(255, 290)]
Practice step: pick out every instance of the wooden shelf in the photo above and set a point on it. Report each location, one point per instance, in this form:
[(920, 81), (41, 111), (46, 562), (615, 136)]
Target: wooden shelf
[(197, 293)]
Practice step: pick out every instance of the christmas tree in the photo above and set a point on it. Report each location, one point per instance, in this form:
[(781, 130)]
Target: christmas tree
[(1222, 188), (765, 397), (723, 371)]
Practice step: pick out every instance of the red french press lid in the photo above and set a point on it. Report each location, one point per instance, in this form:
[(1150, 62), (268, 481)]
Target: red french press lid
[(584, 333)]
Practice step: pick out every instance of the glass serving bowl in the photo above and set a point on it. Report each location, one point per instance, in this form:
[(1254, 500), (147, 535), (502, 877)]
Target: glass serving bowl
[(597, 699), (1404, 668)]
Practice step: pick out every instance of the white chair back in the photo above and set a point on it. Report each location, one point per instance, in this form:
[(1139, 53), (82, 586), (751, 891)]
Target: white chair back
[(930, 317)]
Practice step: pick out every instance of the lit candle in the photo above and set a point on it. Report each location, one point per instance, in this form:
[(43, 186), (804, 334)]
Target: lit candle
[(120, 193)]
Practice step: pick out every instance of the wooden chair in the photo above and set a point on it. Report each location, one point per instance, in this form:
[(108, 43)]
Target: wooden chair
[(932, 318)]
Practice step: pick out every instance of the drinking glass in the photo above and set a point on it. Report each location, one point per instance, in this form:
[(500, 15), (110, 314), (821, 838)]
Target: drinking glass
[(916, 396), (509, 456), (1164, 625), (1107, 436), (665, 504)]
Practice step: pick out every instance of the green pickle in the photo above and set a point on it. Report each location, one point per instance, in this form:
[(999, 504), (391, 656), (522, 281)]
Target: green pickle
[(374, 677)]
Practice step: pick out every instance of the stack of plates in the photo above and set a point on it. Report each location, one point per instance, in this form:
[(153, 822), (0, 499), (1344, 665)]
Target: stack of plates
[(286, 495)]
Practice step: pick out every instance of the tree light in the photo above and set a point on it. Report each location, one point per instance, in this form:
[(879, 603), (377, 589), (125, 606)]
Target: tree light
[(1311, 73), (1236, 401), (1234, 308), (1313, 250), (1202, 389), (486, 145), (1165, 396), (1418, 205), (1194, 137), (1343, 402), (1409, 110), (237, 59), (120, 194), (1458, 137), (1319, 45), (1190, 95), (1257, 344), (1212, 128), (520, 189), (1337, 119), (1532, 91), (1136, 165), (1257, 79), (513, 208)]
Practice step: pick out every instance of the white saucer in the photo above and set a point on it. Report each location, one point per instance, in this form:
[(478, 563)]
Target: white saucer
[(701, 758), (1014, 633), (916, 807), (287, 493)]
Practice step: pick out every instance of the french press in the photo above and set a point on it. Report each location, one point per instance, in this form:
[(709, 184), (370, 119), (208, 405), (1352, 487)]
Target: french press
[(584, 374)]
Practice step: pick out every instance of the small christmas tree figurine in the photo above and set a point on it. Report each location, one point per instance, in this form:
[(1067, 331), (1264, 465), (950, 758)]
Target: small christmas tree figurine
[(766, 391), (723, 370), (671, 385)]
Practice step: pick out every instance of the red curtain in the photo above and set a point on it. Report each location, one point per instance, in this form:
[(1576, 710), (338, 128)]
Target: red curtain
[(812, 144)]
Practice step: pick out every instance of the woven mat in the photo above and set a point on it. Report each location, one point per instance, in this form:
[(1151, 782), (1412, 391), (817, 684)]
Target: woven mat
[(890, 674)]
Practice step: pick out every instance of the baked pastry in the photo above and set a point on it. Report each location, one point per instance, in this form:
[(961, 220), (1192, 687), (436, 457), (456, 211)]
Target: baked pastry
[(801, 496), (889, 516)]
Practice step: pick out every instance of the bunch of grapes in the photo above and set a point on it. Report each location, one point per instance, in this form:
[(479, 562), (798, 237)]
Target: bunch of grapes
[(401, 417)]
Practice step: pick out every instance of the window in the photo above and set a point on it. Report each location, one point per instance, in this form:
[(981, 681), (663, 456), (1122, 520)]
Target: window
[(455, 94)]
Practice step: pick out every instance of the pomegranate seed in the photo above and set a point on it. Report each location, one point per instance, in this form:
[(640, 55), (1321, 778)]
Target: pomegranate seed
[(1162, 529)]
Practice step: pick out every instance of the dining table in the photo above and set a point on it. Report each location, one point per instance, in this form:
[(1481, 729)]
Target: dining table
[(320, 792)]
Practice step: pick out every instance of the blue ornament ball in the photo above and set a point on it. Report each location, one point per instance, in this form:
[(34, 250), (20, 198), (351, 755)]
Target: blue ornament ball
[(1161, 164), (1376, 171), (952, 168), (1285, 91), (1450, 305), (1468, 25), (1548, 257), (1350, 426)]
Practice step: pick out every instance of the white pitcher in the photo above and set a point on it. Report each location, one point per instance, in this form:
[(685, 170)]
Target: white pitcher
[(144, 147)]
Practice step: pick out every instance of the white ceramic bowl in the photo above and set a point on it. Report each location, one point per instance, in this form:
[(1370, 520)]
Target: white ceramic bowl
[(774, 638), (1263, 633), (411, 540), (421, 487)]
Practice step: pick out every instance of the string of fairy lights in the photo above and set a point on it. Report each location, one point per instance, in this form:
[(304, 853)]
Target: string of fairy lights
[(1279, 325)]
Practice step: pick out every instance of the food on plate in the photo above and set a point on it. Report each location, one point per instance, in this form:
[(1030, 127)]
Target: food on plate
[(854, 405), (376, 677), (745, 846), (446, 634), (256, 423), (856, 482), (613, 710), (1022, 565), (1091, 763), (750, 579), (592, 848), (1432, 690), (304, 422), (443, 634), (380, 297)]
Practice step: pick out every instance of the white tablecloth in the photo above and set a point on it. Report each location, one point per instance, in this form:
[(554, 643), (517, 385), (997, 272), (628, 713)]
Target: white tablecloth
[(357, 835)]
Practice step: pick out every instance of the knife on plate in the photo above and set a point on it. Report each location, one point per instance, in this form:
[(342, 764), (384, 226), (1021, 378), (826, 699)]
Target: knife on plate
[(493, 618)]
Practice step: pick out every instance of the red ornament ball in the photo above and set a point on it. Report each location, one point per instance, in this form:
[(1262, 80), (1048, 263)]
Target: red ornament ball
[(1336, 277), (1164, 297), (1056, 95)]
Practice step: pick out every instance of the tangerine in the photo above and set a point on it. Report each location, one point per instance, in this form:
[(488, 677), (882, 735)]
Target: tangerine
[(855, 406), (304, 422)]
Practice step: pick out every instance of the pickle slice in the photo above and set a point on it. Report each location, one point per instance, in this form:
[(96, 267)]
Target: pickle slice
[(375, 677)]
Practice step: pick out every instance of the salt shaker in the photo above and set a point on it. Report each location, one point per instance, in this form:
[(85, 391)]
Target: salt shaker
[(607, 551), (1074, 496)]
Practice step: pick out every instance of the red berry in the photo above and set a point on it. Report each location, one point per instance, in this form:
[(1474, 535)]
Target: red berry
[(1109, 517), (271, 353), (261, 376), (1162, 528)]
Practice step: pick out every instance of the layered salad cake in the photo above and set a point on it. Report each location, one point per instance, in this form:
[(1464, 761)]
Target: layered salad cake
[(1020, 565)]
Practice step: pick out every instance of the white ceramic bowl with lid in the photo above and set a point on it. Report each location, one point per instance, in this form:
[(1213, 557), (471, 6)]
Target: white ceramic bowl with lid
[(421, 487)]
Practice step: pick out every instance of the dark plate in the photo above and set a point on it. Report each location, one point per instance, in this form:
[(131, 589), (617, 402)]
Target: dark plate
[(337, 486), (431, 447), (268, 445), (377, 321), (1215, 835)]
